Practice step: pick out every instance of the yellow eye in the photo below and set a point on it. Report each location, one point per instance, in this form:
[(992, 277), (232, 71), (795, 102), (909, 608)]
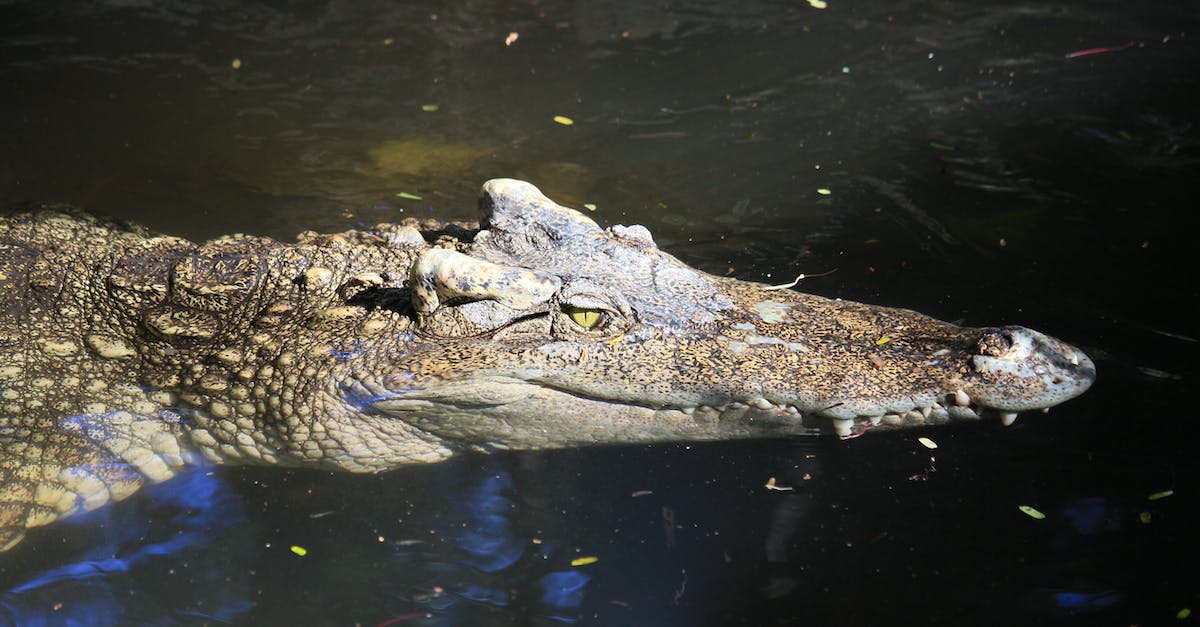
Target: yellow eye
[(586, 318)]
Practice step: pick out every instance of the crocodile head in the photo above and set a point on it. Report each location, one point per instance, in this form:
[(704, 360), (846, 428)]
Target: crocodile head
[(550, 331)]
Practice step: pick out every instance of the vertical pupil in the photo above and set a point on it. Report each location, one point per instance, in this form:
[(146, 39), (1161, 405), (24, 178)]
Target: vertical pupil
[(586, 318)]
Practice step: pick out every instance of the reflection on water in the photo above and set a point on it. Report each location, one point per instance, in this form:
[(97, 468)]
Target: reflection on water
[(479, 524), (975, 169), (183, 521)]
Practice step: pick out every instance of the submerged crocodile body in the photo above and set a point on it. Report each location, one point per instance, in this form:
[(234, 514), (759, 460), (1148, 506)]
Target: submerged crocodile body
[(126, 357)]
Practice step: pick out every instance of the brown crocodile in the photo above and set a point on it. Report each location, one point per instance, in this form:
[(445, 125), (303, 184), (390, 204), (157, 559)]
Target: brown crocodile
[(127, 357)]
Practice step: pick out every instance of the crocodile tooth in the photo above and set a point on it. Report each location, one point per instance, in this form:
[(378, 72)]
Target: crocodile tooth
[(688, 410), (925, 412), (1074, 359), (962, 413), (791, 409), (1008, 417), (762, 403), (1045, 410), (842, 426), (961, 399)]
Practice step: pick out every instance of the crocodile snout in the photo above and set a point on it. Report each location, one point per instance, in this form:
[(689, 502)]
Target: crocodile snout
[(1019, 369)]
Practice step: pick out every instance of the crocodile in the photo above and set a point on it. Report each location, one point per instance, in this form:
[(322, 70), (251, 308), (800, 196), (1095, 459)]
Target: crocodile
[(128, 357)]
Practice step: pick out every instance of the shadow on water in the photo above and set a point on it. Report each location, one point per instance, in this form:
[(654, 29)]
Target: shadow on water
[(172, 557)]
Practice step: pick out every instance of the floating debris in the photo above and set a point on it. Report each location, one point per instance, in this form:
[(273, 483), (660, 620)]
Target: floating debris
[(642, 493), (682, 589), (408, 196), (564, 120), (883, 340), (429, 108), (584, 561), (941, 146), (1158, 374), (404, 617), (817, 4), (589, 206), (511, 39), (824, 191), (1161, 495), (799, 277), (299, 550), (1100, 50), (784, 286), (236, 63), (668, 520), (927, 443), (1029, 511), (930, 469), (771, 485), (1144, 518)]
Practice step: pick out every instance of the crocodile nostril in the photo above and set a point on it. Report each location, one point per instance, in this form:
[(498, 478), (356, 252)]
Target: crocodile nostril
[(995, 344)]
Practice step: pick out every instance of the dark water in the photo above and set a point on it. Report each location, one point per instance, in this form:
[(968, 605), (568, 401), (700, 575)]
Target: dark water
[(975, 170)]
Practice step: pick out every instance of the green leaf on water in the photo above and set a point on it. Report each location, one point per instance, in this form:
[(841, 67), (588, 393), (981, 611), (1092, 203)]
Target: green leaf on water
[(1031, 512)]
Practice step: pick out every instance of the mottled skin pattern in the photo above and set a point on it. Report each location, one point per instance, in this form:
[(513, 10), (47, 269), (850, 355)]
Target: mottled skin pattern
[(127, 357)]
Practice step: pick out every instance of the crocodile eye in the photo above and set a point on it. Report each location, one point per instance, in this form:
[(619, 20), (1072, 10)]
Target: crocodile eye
[(588, 318)]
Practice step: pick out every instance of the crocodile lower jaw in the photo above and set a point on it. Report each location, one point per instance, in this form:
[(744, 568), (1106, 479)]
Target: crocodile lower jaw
[(956, 406)]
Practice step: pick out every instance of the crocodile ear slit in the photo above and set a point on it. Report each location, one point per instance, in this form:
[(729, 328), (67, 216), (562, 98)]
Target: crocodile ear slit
[(441, 274)]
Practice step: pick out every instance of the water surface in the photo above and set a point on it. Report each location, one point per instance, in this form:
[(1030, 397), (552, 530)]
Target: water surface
[(982, 162)]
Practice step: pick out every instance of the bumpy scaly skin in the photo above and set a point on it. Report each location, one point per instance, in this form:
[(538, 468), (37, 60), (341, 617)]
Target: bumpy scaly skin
[(126, 357)]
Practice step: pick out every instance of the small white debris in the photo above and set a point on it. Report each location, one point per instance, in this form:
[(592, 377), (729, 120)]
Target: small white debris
[(770, 485)]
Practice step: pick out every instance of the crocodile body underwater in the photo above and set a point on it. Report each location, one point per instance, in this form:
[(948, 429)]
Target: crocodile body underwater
[(127, 357)]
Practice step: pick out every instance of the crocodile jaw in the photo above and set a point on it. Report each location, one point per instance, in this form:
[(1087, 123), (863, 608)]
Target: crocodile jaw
[(528, 408)]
